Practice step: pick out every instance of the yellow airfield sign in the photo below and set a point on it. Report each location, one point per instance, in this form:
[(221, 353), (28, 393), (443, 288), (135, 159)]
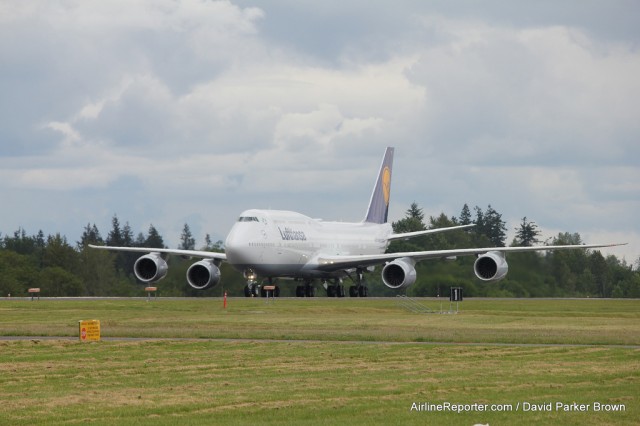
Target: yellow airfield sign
[(89, 330)]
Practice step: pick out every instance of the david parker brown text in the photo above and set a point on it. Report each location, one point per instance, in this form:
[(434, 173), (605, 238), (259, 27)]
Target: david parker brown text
[(520, 406)]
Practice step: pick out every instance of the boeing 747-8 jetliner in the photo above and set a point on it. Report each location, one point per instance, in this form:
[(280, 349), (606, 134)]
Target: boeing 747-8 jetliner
[(282, 244)]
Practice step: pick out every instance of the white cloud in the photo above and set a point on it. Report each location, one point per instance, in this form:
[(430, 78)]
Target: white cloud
[(219, 103), (548, 94)]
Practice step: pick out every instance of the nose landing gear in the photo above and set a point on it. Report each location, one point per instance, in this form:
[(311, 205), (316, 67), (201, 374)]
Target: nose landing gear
[(253, 289)]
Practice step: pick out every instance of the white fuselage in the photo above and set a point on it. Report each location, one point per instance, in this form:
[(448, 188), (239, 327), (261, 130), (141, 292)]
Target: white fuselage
[(275, 243)]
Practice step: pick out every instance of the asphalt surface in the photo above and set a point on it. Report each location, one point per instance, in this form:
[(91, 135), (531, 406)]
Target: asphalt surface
[(346, 342)]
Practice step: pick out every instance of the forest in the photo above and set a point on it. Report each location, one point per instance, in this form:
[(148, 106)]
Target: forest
[(60, 268)]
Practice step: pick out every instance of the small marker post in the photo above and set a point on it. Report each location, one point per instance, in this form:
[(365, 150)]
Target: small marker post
[(149, 291), (224, 303)]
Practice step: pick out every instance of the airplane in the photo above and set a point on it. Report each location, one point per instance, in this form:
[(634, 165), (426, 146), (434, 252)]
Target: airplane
[(276, 244)]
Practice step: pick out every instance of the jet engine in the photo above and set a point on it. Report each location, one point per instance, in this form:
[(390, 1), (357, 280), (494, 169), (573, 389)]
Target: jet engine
[(400, 273), (203, 275), (491, 266), (150, 268)]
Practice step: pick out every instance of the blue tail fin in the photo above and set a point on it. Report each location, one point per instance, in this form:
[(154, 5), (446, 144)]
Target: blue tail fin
[(379, 204)]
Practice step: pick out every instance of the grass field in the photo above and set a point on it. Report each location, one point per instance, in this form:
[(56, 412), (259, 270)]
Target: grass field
[(321, 361)]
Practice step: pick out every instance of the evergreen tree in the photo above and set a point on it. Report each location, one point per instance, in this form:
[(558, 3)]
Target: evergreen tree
[(480, 224), (122, 237), (39, 240), (527, 233), (127, 235), (465, 215), (90, 235), (187, 242), (140, 240), (115, 238), (415, 212), (412, 221), (490, 228), (154, 240), (58, 253), (567, 239), (20, 243), (207, 242), (496, 227), (40, 245)]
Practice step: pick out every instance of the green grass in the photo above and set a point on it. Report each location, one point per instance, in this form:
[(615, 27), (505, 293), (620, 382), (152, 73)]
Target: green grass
[(597, 321), (359, 364)]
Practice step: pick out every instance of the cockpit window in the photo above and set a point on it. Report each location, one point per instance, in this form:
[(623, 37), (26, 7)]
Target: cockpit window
[(248, 219)]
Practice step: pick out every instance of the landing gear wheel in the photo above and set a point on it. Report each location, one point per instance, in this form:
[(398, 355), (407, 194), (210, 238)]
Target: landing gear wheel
[(247, 291), (353, 291), (363, 291), (331, 291), (309, 291)]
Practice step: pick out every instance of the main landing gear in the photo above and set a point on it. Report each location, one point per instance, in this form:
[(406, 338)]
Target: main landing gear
[(334, 290), (358, 291), (360, 288), (306, 290)]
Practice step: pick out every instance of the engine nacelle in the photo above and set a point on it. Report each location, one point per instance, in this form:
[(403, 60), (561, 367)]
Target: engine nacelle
[(491, 266), (150, 268), (203, 275), (400, 273)]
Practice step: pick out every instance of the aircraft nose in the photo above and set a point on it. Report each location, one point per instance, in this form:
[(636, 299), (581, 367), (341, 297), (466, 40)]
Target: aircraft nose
[(236, 245), (232, 241)]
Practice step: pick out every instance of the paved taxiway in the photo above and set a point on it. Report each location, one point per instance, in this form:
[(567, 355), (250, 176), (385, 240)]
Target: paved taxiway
[(347, 342)]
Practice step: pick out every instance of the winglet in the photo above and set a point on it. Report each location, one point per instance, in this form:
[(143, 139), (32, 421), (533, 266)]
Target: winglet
[(378, 210)]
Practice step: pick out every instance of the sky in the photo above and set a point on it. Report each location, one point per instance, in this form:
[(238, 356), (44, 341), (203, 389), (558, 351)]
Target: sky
[(169, 112)]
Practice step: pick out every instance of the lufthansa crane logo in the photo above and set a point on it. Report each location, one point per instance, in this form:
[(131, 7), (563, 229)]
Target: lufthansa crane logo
[(386, 185)]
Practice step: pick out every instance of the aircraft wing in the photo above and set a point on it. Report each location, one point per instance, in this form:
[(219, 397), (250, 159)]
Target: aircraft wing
[(408, 235), (189, 253), (337, 262)]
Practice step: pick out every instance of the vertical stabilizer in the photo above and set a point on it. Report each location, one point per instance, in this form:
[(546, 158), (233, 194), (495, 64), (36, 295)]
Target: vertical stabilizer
[(379, 204)]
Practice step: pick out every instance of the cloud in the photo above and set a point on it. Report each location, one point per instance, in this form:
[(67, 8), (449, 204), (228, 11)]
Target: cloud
[(548, 95), (236, 106)]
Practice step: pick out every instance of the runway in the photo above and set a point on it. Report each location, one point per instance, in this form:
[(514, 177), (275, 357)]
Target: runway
[(345, 342)]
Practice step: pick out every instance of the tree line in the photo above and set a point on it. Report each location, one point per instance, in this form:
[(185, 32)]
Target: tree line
[(570, 273), (61, 268)]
